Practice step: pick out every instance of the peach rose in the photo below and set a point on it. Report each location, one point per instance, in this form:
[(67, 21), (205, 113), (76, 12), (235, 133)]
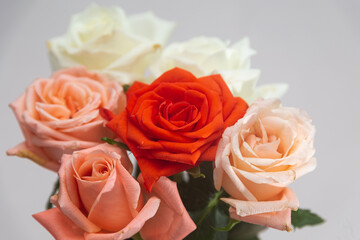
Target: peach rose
[(61, 114), (99, 199), (259, 156)]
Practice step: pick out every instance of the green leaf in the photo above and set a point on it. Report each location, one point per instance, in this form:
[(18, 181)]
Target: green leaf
[(205, 230), (113, 142), (195, 172), (126, 87), (227, 228), (304, 217), (196, 192), (207, 219), (177, 177), (211, 205), (137, 237)]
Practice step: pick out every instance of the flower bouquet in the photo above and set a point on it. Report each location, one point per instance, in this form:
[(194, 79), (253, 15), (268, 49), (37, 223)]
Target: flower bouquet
[(161, 142)]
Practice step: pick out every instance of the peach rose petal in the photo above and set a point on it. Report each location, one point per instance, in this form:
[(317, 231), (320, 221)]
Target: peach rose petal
[(172, 221), (280, 220), (307, 167), (280, 179), (52, 112), (33, 153), (113, 150), (88, 191), (147, 212), (132, 191), (119, 214), (58, 225), (18, 107), (68, 200), (222, 163), (71, 145), (38, 127), (272, 213), (52, 150), (76, 121), (89, 132)]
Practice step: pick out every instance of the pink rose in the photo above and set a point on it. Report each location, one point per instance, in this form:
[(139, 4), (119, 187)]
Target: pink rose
[(99, 199), (61, 114), (259, 156)]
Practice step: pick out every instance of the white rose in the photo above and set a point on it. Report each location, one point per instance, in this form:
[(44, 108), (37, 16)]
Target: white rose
[(204, 56), (104, 39)]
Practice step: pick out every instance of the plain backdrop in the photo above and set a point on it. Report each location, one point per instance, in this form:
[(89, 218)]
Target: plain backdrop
[(311, 45)]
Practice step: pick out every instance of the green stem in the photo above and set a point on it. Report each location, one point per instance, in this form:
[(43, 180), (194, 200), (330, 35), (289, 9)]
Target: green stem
[(113, 142), (55, 189), (212, 203)]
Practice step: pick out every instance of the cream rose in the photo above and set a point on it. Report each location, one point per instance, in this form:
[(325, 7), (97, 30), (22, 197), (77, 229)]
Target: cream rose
[(104, 39), (204, 56), (61, 114), (259, 156), (99, 199)]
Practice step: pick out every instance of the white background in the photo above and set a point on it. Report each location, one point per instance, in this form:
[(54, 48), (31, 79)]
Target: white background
[(311, 45)]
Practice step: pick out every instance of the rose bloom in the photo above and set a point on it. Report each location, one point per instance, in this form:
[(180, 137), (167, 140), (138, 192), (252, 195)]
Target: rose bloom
[(203, 56), (99, 199), (174, 123), (61, 114), (259, 156), (104, 39)]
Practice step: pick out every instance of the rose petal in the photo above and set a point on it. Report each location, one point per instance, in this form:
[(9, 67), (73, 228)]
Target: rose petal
[(171, 222), (58, 225), (287, 199), (118, 215), (272, 213), (33, 153), (150, 26), (147, 212), (68, 200), (280, 220)]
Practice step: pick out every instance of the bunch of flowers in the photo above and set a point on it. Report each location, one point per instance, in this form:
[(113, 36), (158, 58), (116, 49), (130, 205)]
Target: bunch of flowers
[(154, 142)]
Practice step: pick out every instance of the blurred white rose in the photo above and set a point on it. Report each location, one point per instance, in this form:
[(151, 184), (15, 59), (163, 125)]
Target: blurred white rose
[(104, 39), (204, 56)]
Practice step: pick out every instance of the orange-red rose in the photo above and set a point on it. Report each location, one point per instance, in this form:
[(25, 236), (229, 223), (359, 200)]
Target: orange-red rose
[(174, 123)]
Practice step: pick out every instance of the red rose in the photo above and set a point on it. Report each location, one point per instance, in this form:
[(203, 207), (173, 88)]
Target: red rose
[(174, 123)]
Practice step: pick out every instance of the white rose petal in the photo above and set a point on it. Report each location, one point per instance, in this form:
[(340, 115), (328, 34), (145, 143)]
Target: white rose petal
[(204, 56)]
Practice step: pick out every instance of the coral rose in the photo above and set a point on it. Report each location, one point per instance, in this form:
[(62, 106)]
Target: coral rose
[(175, 122), (61, 114), (259, 156), (99, 199)]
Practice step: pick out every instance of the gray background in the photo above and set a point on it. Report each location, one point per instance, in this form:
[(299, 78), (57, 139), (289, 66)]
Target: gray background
[(311, 45)]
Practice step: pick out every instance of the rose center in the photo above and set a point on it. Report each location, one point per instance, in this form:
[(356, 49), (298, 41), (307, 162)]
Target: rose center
[(179, 114), (95, 169), (265, 146), (73, 105)]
